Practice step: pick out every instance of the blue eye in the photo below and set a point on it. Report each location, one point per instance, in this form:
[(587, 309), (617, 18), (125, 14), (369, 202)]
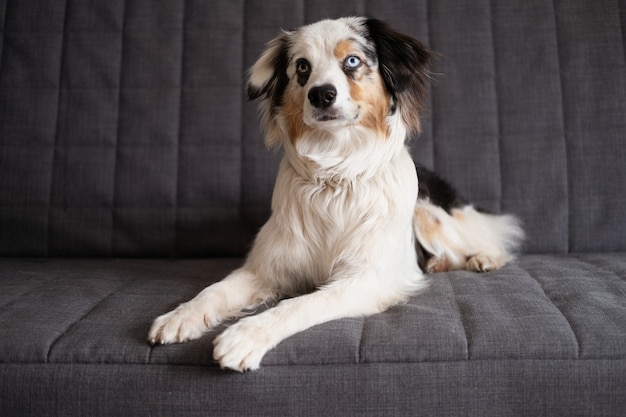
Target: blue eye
[(352, 62)]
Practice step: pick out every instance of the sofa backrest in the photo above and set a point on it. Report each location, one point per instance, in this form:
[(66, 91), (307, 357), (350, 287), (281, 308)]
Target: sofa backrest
[(125, 130)]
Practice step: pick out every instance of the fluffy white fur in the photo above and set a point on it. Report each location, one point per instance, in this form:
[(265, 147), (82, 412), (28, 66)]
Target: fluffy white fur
[(466, 238), (341, 237)]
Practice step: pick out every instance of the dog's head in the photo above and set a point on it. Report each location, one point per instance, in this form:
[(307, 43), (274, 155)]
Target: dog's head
[(338, 74)]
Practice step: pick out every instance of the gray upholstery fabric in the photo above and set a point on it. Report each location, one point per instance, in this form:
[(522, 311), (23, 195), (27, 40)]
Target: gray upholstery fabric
[(124, 129), (544, 336), (125, 132), (542, 307)]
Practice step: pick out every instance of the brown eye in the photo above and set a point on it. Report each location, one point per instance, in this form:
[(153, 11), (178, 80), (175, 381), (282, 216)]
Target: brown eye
[(303, 71), (303, 66)]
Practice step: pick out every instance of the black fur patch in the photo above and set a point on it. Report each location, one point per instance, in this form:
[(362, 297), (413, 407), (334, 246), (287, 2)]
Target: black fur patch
[(401, 57), (440, 193), (437, 190), (275, 87), (403, 64)]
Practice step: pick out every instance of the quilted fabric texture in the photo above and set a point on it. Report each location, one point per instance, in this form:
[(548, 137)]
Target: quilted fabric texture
[(544, 336), (543, 307), (124, 129)]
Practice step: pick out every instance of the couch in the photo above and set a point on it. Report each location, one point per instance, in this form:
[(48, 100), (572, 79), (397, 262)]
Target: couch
[(133, 174)]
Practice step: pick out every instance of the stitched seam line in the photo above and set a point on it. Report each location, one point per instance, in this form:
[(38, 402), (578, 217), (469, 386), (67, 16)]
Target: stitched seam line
[(431, 93), (497, 103), (601, 268), (3, 31), (463, 321), (359, 353), (243, 87), (48, 247), (28, 291), (173, 249), (117, 134), (214, 365), (567, 160), (68, 328), (622, 19), (578, 346)]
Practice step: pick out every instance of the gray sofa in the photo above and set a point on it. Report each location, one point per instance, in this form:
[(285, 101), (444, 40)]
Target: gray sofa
[(133, 174)]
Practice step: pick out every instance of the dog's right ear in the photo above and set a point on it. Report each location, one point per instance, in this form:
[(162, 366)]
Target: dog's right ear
[(268, 76), (404, 66)]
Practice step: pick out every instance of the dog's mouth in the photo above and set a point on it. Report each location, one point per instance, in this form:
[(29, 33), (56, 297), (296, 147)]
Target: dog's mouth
[(327, 118), (334, 116)]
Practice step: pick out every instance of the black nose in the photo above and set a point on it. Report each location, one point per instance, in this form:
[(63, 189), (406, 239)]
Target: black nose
[(323, 96)]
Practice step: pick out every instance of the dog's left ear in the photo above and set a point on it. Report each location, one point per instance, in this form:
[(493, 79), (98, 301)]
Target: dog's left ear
[(404, 66), (268, 80), (268, 75)]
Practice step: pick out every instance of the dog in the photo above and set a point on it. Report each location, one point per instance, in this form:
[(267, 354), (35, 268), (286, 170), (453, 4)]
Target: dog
[(351, 232)]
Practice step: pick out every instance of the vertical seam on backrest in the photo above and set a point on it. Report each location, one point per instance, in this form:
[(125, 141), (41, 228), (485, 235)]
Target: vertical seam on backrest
[(497, 103), (117, 131), (430, 85), (622, 22), (174, 247), (567, 161), (4, 31), (47, 250), (244, 98)]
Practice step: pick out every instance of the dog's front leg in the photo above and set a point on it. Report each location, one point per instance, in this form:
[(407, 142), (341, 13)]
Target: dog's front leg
[(218, 302), (242, 346)]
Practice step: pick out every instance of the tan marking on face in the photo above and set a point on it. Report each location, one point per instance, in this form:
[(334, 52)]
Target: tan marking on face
[(367, 90), (293, 111), (370, 94), (343, 49)]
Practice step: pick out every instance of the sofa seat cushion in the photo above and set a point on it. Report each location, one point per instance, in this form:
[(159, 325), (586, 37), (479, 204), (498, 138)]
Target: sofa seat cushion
[(99, 311)]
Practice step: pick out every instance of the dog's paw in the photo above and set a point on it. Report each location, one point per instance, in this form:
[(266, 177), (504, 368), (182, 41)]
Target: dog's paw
[(437, 264), (180, 325), (242, 346), (482, 263)]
